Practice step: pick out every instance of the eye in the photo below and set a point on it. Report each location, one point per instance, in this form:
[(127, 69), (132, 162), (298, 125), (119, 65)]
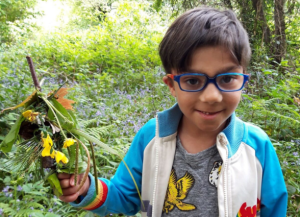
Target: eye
[(192, 81), (227, 78)]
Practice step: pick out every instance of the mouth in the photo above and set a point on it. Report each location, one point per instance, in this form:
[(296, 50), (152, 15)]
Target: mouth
[(209, 113)]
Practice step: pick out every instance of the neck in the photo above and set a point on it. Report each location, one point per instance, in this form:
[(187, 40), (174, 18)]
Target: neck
[(195, 140)]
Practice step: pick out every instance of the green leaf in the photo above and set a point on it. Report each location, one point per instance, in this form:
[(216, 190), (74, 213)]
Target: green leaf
[(64, 117), (82, 165), (51, 215), (11, 137), (72, 156), (54, 182), (290, 189), (37, 214), (98, 142), (89, 214)]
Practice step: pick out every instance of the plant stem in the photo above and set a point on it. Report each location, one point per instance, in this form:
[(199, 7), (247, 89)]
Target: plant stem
[(94, 166), (33, 74), (86, 174), (50, 106), (76, 161)]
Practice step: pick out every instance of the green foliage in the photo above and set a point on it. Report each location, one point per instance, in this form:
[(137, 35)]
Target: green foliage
[(11, 137), (87, 13), (12, 16), (112, 67)]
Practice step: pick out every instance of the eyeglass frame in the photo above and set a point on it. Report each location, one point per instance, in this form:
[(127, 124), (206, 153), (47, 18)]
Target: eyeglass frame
[(209, 80)]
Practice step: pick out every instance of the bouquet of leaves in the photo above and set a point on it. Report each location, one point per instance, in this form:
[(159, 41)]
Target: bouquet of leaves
[(48, 137)]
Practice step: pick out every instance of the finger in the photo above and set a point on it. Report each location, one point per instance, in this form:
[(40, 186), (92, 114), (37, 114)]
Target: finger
[(65, 183), (69, 191), (63, 176), (69, 198), (72, 179)]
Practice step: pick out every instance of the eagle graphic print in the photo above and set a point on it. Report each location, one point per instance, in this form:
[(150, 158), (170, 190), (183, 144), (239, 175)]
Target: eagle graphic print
[(177, 191)]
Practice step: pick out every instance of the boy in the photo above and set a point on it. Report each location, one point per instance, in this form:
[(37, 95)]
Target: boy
[(197, 158)]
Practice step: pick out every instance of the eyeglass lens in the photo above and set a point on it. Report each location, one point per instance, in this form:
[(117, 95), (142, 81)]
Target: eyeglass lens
[(225, 82)]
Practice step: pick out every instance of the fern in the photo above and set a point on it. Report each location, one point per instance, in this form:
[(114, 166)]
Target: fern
[(7, 209), (93, 123), (27, 212)]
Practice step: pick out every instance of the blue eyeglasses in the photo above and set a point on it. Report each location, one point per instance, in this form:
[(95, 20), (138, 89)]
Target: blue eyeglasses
[(225, 82)]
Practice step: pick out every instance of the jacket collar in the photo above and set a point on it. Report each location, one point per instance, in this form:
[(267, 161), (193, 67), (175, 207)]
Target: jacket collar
[(168, 122)]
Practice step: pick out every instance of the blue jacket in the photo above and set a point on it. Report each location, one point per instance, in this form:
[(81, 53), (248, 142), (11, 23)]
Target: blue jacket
[(250, 180)]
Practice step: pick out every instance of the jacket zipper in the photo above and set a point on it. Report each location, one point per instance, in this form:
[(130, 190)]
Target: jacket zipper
[(225, 184), (156, 167)]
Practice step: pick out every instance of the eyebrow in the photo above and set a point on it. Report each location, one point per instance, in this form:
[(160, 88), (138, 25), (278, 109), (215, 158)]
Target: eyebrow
[(228, 69)]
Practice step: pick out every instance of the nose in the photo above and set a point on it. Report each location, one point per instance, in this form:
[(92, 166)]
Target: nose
[(211, 94)]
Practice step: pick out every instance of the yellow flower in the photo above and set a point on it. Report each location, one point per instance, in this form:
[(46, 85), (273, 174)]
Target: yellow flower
[(52, 155), (69, 142), (47, 142), (59, 156), (27, 113), (46, 151), (30, 115)]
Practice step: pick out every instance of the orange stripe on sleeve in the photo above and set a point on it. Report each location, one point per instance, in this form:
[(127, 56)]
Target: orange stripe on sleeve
[(100, 197)]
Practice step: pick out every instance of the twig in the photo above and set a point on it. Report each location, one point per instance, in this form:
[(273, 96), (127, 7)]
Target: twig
[(94, 166), (76, 162), (33, 74), (86, 174)]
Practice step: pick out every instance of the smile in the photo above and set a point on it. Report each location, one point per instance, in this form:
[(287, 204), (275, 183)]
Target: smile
[(209, 113)]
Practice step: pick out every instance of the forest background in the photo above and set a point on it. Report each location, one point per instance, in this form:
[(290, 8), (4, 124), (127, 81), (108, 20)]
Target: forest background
[(107, 53)]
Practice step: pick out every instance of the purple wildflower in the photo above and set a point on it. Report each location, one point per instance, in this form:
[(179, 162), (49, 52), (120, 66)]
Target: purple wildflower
[(19, 188), (5, 190)]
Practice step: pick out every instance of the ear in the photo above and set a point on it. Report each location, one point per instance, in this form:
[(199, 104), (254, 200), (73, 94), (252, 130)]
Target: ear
[(170, 83)]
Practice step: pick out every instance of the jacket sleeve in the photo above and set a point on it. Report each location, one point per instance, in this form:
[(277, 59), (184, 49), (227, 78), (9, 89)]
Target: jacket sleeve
[(273, 190), (274, 193), (119, 195)]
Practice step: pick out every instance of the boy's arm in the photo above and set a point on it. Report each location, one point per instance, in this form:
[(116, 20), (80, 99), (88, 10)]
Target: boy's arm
[(273, 189), (119, 195)]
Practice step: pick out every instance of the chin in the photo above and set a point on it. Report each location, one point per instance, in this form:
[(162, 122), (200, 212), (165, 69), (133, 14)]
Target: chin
[(213, 128)]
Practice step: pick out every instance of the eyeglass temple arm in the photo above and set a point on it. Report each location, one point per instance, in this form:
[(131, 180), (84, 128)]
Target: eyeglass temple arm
[(170, 76)]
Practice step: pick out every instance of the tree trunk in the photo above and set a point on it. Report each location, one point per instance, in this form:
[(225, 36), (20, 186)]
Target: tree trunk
[(246, 14), (228, 4), (279, 45), (261, 21)]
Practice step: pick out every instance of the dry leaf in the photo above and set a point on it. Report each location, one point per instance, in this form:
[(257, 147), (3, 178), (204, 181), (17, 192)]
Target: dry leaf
[(55, 129), (59, 96), (22, 103), (297, 100)]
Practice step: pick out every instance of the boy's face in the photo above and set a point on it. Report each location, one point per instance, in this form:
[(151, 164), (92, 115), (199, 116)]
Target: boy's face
[(207, 110)]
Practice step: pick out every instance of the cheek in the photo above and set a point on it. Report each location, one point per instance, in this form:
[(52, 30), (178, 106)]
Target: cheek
[(233, 99)]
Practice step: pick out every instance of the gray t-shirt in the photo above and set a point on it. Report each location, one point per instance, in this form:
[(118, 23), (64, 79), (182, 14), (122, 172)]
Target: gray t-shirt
[(192, 189)]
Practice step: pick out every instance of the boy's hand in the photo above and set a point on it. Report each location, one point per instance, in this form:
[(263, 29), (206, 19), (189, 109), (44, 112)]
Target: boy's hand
[(67, 183)]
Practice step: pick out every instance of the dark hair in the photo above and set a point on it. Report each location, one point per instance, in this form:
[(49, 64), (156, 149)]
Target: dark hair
[(203, 27)]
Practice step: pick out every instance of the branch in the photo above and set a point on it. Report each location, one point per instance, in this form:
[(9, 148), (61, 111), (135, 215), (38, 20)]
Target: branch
[(33, 74)]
